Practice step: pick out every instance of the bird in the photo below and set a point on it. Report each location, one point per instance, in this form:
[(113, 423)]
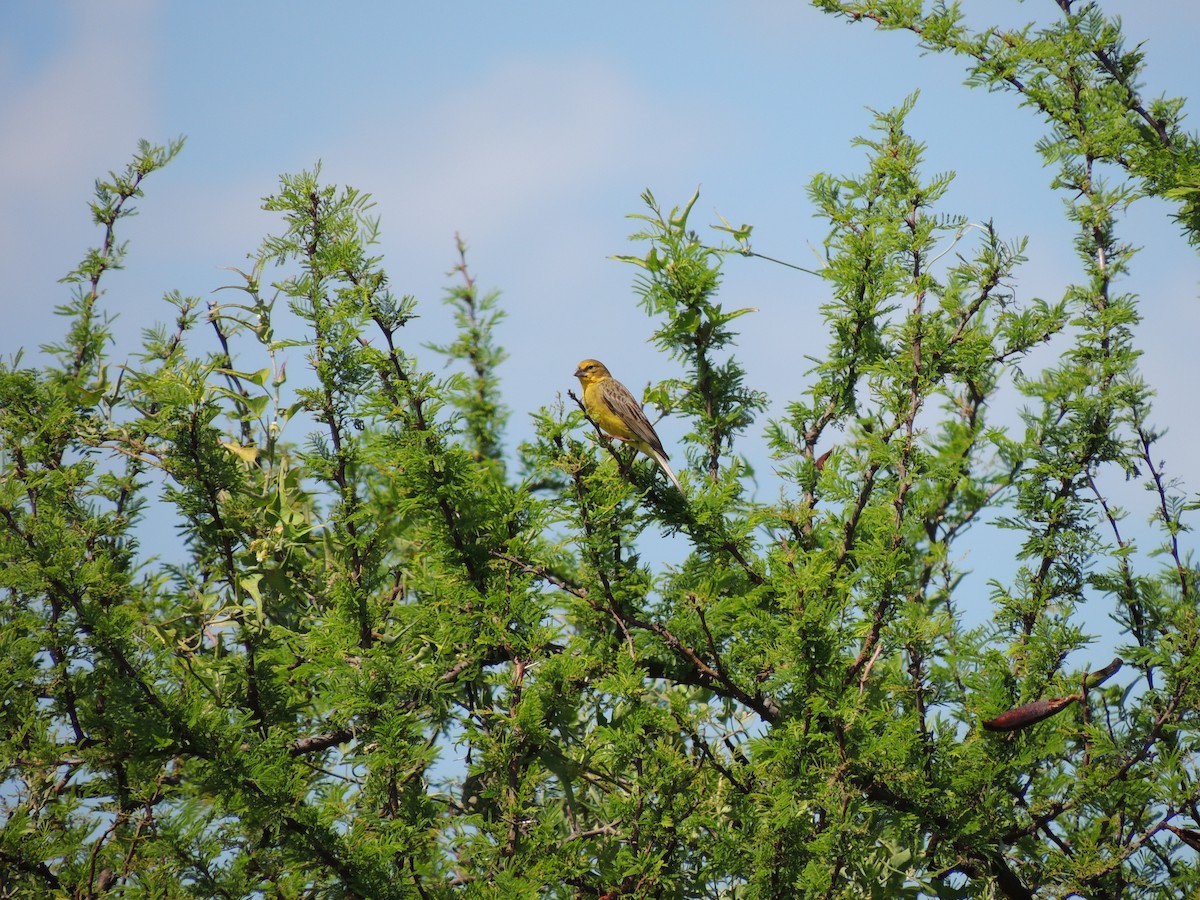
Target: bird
[(618, 414)]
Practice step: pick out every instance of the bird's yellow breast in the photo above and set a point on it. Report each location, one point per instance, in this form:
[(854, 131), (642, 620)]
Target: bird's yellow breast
[(598, 408)]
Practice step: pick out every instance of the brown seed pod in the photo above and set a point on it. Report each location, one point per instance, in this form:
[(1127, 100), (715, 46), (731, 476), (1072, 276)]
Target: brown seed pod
[(1028, 714)]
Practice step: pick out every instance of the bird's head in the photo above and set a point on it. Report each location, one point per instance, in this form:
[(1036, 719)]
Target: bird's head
[(590, 371)]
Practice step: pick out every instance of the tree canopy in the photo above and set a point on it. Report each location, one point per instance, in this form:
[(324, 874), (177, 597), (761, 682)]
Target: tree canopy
[(399, 658)]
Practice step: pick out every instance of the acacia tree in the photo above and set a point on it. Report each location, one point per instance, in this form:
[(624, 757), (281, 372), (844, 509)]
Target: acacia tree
[(393, 660)]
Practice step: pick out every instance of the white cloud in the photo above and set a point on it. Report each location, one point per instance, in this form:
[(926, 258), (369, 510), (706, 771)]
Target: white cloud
[(534, 129), (89, 97), (93, 90)]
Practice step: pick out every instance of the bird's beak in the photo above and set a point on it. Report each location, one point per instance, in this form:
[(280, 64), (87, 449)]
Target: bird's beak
[(579, 373)]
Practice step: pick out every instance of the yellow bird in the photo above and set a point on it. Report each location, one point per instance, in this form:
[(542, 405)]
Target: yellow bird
[(618, 414)]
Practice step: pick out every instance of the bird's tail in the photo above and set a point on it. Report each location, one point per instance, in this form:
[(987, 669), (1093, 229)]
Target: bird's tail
[(666, 467)]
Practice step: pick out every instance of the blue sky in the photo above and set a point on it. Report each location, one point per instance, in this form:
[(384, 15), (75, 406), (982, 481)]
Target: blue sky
[(531, 129)]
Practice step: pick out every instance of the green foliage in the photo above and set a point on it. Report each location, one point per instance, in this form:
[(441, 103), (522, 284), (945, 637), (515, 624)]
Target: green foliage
[(382, 665), (1082, 80), (679, 279)]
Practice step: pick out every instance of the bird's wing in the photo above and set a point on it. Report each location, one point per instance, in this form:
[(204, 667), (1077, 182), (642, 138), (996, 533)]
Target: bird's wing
[(623, 404)]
